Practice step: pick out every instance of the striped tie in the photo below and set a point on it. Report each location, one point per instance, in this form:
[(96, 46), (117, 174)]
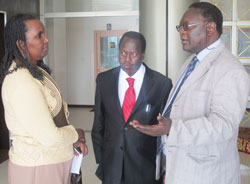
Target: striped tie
[(129, 99), (160, 156), (190, 68)]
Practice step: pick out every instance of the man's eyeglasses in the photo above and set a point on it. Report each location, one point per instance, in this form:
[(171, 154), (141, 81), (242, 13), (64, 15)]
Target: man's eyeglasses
[(186, 27)]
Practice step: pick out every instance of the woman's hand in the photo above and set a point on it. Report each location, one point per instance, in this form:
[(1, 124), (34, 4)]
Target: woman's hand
[(81, 142)]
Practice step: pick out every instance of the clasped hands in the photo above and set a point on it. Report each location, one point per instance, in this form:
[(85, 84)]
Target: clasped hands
[(162, 128)]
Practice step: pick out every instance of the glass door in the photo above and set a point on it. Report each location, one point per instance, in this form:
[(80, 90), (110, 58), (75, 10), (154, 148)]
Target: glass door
[(106, 49)]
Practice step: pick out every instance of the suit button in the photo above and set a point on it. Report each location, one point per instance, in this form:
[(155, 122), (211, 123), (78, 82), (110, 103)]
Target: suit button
[(125, 128), (121, 148)]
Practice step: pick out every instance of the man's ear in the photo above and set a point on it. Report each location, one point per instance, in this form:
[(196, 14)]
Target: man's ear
[(21, 47), (211, 29), (143, 54)]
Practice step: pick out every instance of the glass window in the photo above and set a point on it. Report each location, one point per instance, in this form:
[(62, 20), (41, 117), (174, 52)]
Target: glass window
[(244, 42), (110, 51), (225, 7), (243, 10), (226, 37), (247, 67)]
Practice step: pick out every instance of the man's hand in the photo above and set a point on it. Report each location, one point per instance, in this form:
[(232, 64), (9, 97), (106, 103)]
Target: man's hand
[(162, 128)]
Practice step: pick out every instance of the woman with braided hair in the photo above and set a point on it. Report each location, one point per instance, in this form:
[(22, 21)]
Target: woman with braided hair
[(42, 141)]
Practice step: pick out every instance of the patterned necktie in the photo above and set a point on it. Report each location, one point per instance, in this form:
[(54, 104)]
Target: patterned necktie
[(129, 99), (161, 157), (190, 68)]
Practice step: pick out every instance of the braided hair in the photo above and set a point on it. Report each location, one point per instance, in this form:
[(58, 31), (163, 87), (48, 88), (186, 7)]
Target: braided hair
[(15, 31)]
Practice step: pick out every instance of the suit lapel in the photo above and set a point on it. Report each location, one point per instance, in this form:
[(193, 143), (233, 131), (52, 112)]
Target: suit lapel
[(184, 66), (147, 85), (114, 89), (200, 70)]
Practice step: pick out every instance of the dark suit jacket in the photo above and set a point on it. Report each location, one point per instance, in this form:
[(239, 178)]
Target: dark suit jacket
[(121, 150)]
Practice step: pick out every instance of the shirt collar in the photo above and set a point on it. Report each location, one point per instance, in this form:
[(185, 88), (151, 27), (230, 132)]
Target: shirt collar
[(202, 54), (139, 72)]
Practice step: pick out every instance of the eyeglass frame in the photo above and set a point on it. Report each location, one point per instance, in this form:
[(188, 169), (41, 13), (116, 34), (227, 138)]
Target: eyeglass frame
[(186, 27)]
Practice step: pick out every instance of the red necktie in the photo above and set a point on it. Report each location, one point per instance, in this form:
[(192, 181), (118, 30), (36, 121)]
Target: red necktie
[(129, 99)]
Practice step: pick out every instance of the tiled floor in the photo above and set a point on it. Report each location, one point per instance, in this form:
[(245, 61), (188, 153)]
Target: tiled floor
[(83, 118)]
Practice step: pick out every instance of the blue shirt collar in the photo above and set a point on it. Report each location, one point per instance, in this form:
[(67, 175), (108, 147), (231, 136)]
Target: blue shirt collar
[(202, 54)]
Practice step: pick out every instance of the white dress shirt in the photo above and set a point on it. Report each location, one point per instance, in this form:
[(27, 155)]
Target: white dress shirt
[(123, 83)]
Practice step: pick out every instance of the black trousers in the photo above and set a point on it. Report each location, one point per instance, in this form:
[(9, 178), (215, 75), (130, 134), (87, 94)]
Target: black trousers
[(160, 181)]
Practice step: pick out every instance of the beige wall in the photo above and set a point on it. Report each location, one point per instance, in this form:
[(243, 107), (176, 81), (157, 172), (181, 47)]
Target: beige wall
[(176, 56), (74, 73), (153, 27), (71, 53)]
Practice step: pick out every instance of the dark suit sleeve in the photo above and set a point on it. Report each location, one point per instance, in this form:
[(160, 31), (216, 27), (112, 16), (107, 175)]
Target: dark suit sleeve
[(98, 126), (165, 93)]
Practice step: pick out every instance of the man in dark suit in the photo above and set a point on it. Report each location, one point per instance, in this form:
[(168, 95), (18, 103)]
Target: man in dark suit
[(124, 154)]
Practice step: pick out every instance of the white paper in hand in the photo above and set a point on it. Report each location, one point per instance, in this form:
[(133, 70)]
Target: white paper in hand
[(76, 164)]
